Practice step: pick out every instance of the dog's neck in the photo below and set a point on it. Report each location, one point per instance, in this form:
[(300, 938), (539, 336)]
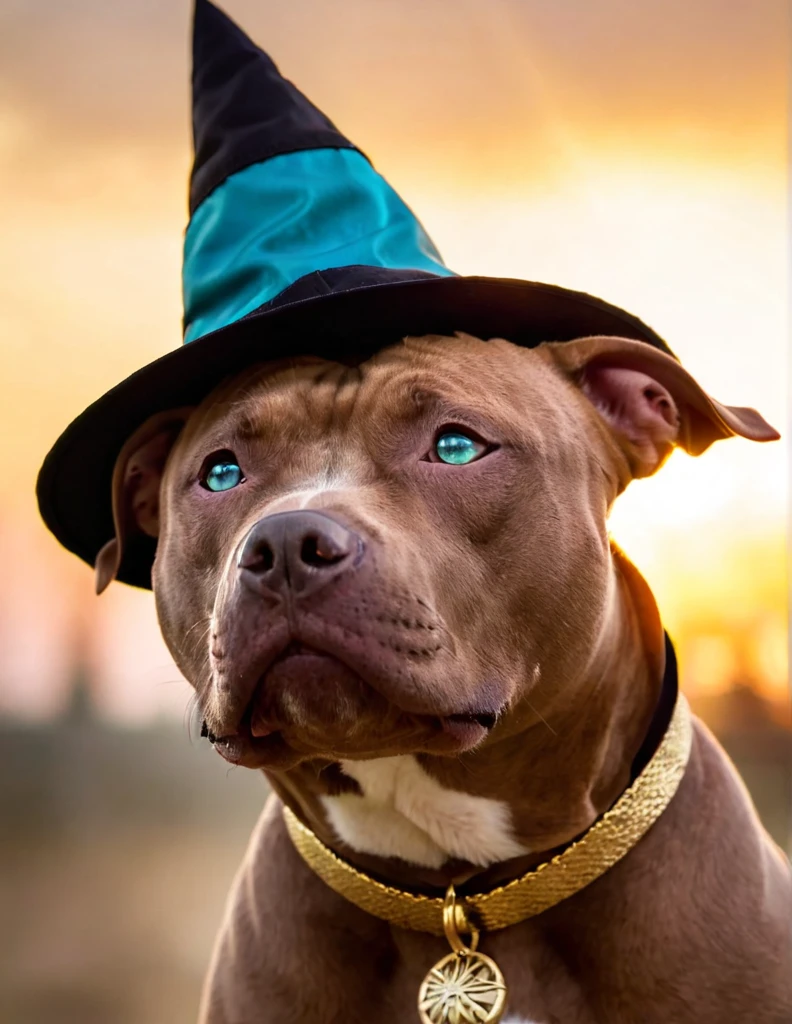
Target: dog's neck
[(562, 759)]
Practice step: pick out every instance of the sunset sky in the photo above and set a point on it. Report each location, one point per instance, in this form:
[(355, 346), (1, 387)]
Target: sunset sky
[(634, 151)]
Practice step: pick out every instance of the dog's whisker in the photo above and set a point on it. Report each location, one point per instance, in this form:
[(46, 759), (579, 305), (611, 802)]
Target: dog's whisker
[(199, 646), (205, 621), (541, 716), (192, 716)]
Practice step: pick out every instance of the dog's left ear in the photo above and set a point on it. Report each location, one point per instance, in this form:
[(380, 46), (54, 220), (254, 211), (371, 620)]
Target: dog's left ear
[(135, 489), (649, 401)]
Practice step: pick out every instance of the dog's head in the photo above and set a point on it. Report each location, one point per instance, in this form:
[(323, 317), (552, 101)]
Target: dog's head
[(358, 561)]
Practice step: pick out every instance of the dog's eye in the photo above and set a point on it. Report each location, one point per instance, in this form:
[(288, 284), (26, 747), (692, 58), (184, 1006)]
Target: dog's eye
[(458, 449), (221, 472)]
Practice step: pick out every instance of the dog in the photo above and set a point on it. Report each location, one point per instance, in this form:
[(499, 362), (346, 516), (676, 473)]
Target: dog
[(391, 584)]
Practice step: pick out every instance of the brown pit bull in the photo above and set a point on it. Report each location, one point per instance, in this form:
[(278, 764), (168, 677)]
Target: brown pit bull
[(392, 587)]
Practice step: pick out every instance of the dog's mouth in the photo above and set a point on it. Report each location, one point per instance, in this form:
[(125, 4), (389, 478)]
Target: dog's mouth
[(307, 698), (468, 729), (486, 719)]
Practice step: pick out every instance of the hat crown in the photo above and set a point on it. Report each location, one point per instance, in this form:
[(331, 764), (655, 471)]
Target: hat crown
[(276, 191), (244, 110)]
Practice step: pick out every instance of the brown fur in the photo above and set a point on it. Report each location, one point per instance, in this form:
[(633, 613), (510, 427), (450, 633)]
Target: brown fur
[(487, 587)]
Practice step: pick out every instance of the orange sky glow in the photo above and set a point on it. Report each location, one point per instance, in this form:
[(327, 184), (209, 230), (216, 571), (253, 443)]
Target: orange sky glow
[(635, 152)]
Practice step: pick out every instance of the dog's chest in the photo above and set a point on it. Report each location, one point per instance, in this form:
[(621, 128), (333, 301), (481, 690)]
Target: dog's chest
[(403, 812)]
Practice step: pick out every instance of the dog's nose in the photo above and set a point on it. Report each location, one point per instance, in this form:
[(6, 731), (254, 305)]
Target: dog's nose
[(297, 552)]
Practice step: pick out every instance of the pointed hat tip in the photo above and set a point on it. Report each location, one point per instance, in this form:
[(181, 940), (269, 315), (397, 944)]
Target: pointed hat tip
[(211, 25), (244, 111), (205, 8)]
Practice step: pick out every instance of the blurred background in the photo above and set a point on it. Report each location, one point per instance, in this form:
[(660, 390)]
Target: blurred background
[(634, 151)]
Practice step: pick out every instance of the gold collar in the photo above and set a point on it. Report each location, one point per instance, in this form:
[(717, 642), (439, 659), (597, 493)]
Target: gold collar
[(605, 843), (468, 982)]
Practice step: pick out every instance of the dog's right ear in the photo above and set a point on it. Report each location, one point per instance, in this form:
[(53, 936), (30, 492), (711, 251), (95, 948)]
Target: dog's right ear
[(135, 489), (649, 401)]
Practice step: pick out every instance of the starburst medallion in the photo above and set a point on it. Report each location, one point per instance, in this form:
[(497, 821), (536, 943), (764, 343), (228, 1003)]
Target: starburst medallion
[(462, 989)]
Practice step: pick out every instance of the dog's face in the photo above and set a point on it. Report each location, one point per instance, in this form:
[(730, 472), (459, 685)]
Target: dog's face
[(357, 595), (389, 557)]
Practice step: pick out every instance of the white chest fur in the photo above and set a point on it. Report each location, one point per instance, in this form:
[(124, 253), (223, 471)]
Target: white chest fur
[(404, 812)]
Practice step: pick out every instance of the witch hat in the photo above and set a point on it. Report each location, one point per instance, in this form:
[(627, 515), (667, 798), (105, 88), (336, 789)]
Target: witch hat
[(295, 245)]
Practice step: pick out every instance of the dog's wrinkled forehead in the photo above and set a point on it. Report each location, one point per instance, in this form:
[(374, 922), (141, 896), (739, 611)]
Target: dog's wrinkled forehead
[(307, 399)]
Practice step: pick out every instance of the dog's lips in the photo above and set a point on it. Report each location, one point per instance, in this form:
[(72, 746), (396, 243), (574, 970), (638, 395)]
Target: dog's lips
[(453, 734), (306, 687), (486, 719), (245, 750), (264, 734), (296, 656), (312, 677), (468, 729)]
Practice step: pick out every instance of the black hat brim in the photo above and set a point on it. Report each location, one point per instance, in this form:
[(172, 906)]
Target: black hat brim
[(74, 483)]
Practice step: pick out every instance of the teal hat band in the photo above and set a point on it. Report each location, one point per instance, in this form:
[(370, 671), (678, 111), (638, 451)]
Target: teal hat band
[(273, 222)]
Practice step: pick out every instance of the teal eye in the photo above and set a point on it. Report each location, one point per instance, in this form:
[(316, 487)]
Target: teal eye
[(458, 449), (221, 473)]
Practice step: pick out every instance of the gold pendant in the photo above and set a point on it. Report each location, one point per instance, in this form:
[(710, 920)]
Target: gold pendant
[(464, 987)]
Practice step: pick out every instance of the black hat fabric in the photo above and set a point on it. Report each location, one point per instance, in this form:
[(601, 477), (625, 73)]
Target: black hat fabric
[(295, 245)]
